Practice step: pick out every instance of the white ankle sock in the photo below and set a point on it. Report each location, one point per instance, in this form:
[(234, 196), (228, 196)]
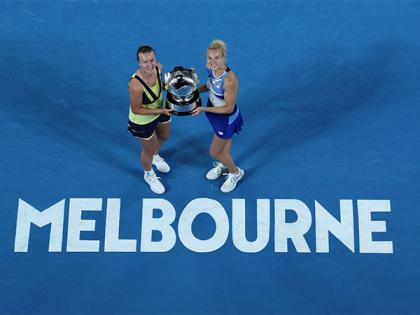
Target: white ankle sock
[(149, 173)]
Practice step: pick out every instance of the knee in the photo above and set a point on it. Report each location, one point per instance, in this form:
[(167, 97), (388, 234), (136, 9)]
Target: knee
[(214, 153), (164, 136), (163, 132), (148, 151)]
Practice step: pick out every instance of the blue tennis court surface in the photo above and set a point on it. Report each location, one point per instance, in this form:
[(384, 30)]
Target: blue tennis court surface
[(329, 92)]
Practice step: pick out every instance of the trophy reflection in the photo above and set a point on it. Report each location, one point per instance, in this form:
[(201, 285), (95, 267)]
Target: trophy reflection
[(182, 90)]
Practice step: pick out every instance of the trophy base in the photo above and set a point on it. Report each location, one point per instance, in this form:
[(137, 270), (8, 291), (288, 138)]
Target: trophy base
[(183, 108)]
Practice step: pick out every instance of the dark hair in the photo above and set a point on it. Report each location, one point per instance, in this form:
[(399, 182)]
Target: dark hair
[(143, 50)]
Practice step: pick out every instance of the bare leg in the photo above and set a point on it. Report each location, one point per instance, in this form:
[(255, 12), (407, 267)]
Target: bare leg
[(163, 131), (148, 149), (220, 150)]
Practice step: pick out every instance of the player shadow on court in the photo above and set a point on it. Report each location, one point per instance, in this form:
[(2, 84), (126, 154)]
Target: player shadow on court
[(190, 141), (301, 101)]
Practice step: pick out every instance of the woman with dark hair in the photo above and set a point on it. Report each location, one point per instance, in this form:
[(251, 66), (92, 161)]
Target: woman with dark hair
[(149, 120)]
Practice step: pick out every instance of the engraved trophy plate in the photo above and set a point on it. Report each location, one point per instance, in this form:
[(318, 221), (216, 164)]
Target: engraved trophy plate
[(182, 94)]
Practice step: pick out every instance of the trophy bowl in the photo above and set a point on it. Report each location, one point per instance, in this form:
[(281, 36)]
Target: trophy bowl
[(182, 90)]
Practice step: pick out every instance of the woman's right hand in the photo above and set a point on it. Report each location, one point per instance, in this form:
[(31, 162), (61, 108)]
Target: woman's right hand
[(166, 111)]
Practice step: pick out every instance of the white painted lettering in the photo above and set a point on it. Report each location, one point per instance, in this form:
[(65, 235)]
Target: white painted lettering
[(326, 223), (239, 227), (113, 243), (191, 211), (77, 224), (367, 227), (27, 215), (294, 231), (161, 224)]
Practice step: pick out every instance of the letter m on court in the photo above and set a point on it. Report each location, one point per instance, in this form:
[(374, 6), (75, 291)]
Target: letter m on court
[(28, 215)]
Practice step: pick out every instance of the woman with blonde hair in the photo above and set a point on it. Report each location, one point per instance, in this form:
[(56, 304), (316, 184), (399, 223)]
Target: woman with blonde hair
[(223, 114)]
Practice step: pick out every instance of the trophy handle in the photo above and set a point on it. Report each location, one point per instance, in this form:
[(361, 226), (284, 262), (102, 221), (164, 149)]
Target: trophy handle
[(166, 78)]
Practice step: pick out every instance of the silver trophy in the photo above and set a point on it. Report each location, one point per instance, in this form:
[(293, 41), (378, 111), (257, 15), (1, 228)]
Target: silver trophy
[(182, 90)]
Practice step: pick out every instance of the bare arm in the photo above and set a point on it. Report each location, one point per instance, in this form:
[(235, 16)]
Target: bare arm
[(136, 101), (203, 88), (231, 92)]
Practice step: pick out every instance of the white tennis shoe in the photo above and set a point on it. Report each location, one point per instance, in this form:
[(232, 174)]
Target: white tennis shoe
[(160, 164), (154, 182), (232, 180), (216, 171)]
